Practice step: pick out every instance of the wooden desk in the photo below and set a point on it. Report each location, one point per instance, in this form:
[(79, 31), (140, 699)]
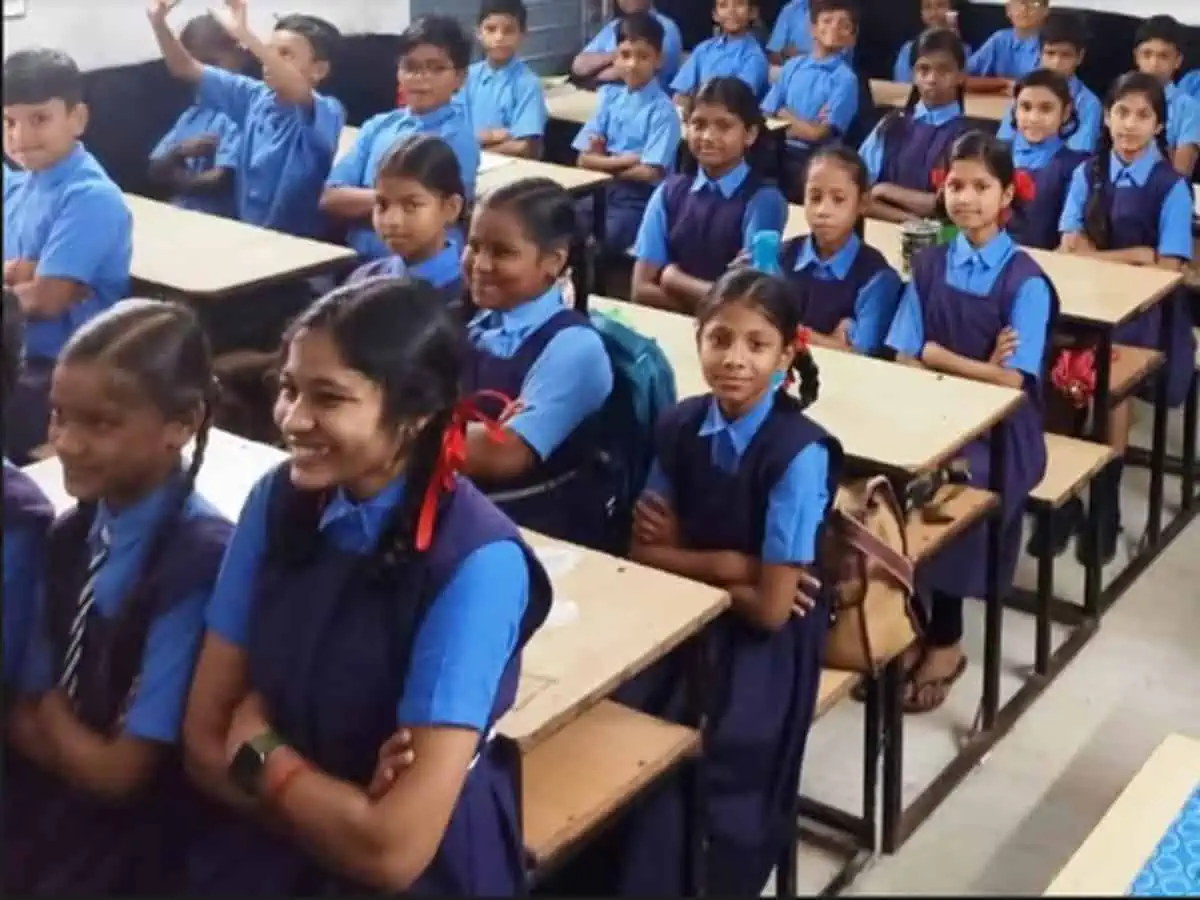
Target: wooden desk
[(487, 161), (204, 257), (887, 415), (1115, 852), (568, 103), (1090, 291), (571, 178), (894, 94)]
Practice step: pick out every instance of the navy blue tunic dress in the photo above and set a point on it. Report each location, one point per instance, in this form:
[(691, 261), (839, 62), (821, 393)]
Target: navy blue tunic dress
[(1036, 225), (823, 304), (705, 230), (912, 150)]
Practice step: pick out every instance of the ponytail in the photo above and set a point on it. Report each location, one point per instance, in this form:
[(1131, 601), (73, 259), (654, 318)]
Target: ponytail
[(807, 375)]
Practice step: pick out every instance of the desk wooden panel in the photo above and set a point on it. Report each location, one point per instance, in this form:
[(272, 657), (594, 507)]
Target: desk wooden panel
[(1091, 291), (568, 103), (1115, 852), (571, 178), (894, 94), (199, 255), (888, 415)]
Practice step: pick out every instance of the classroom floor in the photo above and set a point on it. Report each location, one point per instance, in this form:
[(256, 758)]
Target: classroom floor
[(1015, 821)]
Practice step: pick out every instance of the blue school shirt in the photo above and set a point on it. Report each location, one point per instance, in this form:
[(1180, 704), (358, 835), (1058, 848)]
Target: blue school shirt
[(875, 304), (569, 382), (285, 154), (975, 270), (173, 641), (1004, 55), (1088, 108), (378, 135), (197, 121), (510, 97), (1033, 157), (872, 148), (766, 211), (441, 269), (465, 640), (12, 180), (797, 503), (1183, 118), (807, 85), (741, 57), (644, 121), (22, 585), (605, 41), (72, 219), (902, 71), (1174, 219), (1190, 84), (793, 26)]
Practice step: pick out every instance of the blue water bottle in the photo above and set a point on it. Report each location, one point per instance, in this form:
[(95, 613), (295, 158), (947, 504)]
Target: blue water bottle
[(764, 251)]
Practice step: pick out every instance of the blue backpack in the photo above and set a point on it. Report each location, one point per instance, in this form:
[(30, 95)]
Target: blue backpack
[(643, 388)]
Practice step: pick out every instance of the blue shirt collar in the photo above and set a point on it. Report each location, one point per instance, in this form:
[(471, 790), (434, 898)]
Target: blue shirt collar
[(435, 117), (1172, 90), (838, 265), (989, 256), (727, 184), (827, 63), (735, 40), (124, 528), (523, 317), (647, 93), (937, 115), (440, 269), (1033, 42), (740, 431), (365, 519), (1075, 86), (1034, 156), (488, 71), (1137, 171), (63, 169)]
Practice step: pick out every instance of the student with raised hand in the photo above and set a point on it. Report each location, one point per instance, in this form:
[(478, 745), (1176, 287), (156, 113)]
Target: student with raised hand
[(196, 160), (1064, 46), (1010, 52), (434, 54), (289, 130), (598, 60), (96, 802), (1158, 52), (367, 589), (934, 14), (734, 52), (505, 96), (67, 230)]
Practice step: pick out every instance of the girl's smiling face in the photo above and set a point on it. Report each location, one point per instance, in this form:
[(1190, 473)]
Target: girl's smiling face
[(1040, 114), (503, 265), (741, 350), (717, 138), (976, 200)]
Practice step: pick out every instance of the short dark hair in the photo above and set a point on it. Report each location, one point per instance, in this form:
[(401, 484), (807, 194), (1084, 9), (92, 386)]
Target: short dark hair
[(40, 75), (1161, 28), (323, 37), (641, 27), (205, 31), (850, 7), (514, 8), (1064, 26), (442, 32)]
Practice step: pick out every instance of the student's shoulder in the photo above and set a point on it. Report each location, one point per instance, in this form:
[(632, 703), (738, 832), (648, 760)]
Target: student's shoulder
[(199, 507), (386, 120), (91, 181)]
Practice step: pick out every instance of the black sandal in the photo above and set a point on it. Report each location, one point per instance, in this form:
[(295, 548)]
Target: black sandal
[(919, 689), (859, 692)]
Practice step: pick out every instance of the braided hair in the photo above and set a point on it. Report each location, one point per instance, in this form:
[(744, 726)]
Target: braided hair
[(770, 296)]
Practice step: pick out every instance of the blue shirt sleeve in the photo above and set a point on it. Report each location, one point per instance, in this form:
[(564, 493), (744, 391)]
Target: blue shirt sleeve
[(1175, 223), (672, 50), (167, 141), (325, 122), (168, 659), (907, 334), (38, 671), (871, 152), (902, 70), (651, 244), (662, 144), (529, 110), (1091, 118), (467, 640), (781, 33), (1071, 220), (658, 483), (1187, 129), (985, 61), (351, 169), (597, 124), (1030, 319), (796, 507), (229, 607), (1006, 131), (874, 309), (567, 383), (843, 104), (757, 74), (604, 41), (766, 211), (228, 92), (22, 586), (776, 97), (229, 145), (90, 229), (687, 80)]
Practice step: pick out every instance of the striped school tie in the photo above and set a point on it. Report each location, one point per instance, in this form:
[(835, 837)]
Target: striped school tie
[(87, 597)]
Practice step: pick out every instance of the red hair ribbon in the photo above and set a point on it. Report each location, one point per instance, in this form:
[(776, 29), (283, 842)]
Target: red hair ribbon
[(453, 455), (1024, 186), (937, 178)]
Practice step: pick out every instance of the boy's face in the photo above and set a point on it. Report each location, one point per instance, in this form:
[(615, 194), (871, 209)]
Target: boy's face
[(1158, 59), (429, 77), (39, 135), (733, 16), (295, 49), (1027, 15), (834, 30), (637, 63), (936, 13), (500, 36), (1062, 58), (628, 7)]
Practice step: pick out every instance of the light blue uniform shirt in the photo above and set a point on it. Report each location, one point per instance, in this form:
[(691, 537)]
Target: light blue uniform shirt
[(378, 135), (1088, 108), (173, 641), (1004, 55), (797, 503), (23, 565), (605, 41), (871, 150), (1190, 84), (975, 270), (13, 179), (808, 85), (441, 269), (741, 57), (876, 302), (569, 382), (466, 639), (1183, 118), (285, 154), (792, 26), (72, 220), (510, 97), (644, 121), (1174, 219), (766, 211), (197, 121), (1033, 157), (902, 71)]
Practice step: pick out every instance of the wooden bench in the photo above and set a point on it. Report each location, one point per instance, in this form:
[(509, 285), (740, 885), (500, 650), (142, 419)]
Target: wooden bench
[(953, 510), (1130, 367)]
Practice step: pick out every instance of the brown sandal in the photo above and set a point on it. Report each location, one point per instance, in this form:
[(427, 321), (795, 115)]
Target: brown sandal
[(859, 692), (934, 690)]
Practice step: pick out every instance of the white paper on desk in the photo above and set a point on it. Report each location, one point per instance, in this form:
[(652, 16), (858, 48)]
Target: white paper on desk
[(489, 161), (557, 561)]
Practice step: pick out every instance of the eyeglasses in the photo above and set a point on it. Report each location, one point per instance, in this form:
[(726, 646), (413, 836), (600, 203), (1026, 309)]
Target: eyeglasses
[(432, 69), (1031, 4)]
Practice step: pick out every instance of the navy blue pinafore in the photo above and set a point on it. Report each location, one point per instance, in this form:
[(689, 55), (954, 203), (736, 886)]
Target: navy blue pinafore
[(1036, 224), (330, 643), (968, 324), (569, 495), (912, 150), (25, 509), (704, 228), (823, 304), (57, 838)]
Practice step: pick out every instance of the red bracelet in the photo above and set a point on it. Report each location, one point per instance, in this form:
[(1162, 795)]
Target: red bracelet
[(274, 787)]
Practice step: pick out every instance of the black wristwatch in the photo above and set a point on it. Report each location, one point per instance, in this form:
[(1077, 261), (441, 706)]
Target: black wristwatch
[(246, 767)]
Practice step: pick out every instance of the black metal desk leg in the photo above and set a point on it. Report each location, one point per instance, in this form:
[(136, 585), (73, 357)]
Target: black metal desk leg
[(1093, 571), (994, 607), (1158, 448)]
